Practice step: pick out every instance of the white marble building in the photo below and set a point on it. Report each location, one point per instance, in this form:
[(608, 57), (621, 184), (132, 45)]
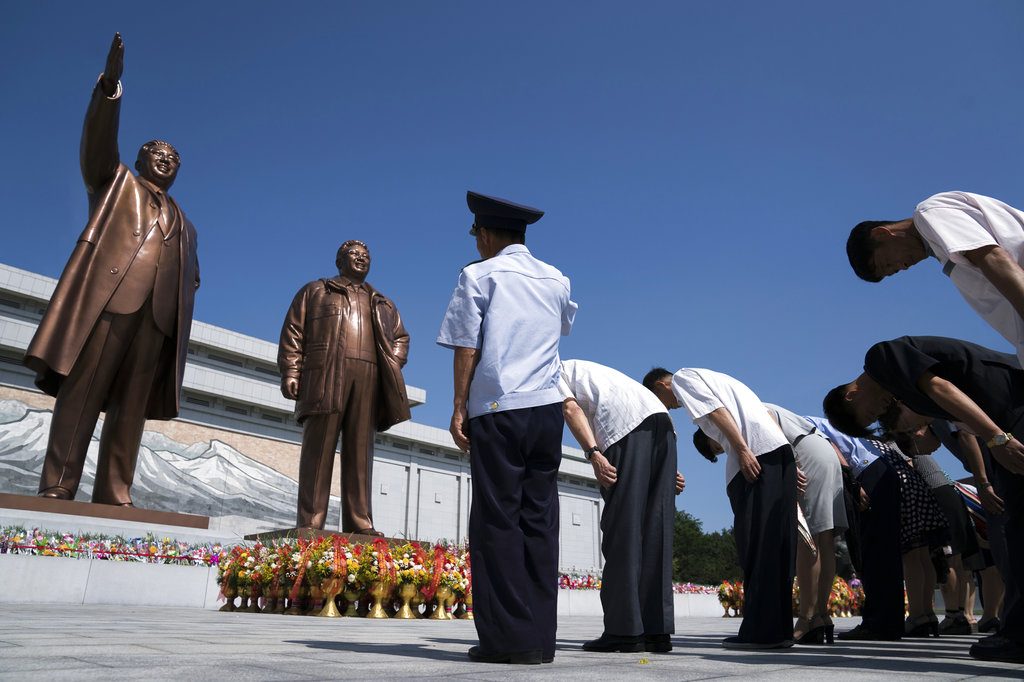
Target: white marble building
[(233, 452)]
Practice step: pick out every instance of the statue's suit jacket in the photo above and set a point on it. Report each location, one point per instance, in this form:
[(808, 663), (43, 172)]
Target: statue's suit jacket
[(121, 215), (312, 349)]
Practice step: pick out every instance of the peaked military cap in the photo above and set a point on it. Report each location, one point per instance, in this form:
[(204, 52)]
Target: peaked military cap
[(500, 213)]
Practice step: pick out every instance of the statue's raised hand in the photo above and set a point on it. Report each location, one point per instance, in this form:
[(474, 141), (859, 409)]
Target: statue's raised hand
[(115, 66)]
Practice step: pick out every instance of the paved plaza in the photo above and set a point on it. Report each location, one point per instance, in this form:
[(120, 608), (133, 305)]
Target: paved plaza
[(104, 642)]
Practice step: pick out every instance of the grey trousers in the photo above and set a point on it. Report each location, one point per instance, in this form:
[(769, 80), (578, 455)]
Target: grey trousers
[(637, 526)]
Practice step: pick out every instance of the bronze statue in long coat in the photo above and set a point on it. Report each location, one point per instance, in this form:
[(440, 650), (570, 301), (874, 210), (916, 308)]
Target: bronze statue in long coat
[(115, 335), (342, 349)]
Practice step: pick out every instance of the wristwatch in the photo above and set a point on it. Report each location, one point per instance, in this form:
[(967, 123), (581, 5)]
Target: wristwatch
[(999, 439), (590, 451)]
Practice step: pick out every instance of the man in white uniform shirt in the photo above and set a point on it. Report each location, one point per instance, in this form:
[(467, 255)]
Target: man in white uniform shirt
[(761, 484), (628, 437), (504, 322), (978, 240)]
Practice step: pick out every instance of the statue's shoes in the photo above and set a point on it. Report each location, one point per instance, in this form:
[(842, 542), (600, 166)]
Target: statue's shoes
[(369, 531), (56, 493)]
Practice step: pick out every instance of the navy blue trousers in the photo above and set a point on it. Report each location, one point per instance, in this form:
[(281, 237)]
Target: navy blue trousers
[(513, 527), (765, 532), (881, 559)]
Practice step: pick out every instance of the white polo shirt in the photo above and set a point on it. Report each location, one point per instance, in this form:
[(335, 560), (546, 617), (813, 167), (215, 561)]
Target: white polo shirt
[(514, 309), (702, 391), (954, 222), (613, 403)]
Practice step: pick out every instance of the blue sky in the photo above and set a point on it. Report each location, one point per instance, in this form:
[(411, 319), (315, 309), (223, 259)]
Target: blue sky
[(700, 163)]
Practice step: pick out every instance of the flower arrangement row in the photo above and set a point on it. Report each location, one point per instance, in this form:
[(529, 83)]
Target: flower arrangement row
[(375, 580), (146, 549), (846, 598), (588, 581)]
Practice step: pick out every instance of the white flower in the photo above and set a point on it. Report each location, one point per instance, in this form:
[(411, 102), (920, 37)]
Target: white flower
[(351, 578), (309, 564)]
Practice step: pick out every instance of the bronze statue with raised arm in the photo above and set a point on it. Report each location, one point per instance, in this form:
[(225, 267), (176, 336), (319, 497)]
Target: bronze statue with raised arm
[(341, 355), (115, 335)]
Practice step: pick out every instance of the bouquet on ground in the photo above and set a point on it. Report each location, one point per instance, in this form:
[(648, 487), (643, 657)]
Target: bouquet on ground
[(412, 566), (376, 564), (730, 596)]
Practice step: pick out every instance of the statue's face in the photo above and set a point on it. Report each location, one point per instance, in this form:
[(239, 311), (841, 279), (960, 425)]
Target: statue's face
[(159, 164), (355, 262)]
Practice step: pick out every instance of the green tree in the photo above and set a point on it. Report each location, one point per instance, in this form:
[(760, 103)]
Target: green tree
[(703, 558)]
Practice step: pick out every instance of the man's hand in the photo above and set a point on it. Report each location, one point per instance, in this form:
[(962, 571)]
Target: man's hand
[(605, 473), (1010, 455), (749, 466), (680, 483), (864, 503), (459, 428), (290, 388), (801, 481), (114, 68), (992, 503)]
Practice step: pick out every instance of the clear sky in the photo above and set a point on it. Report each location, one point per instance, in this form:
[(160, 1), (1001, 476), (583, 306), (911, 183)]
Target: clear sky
[(700, 164)]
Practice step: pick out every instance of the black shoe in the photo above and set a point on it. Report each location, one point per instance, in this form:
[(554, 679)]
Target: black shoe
[(658, 644), (737, 643), (607, 643), (863, 633), (989, 625), (998, 648), (813, 636), (923, 626), (515, 657), (956, 625), (547, 659)]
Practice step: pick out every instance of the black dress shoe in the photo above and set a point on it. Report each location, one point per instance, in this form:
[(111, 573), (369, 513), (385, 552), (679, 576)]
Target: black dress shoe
[(608, 643), (863, 633), (989, 625), (514, 657), (998, 648), (737, 643), (658, 644)]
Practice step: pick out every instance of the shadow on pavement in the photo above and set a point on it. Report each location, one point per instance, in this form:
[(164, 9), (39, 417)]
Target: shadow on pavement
[(408, 649)]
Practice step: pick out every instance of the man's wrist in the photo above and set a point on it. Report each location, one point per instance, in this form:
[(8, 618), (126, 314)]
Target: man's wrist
[(984, 484), (999, 439), (589, 452)]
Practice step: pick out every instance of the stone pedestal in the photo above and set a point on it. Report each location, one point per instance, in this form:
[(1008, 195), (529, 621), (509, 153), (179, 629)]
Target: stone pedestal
[(47, 505)]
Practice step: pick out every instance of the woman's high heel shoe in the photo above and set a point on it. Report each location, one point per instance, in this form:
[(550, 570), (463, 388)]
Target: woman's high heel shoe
[(816, 634)]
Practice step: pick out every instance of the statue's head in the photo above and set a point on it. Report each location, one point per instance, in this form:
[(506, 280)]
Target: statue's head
[(158, 162), (353, 260)]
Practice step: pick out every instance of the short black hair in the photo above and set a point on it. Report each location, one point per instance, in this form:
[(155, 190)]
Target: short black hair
[(654, 376), (702, 442), (840, 413), (510, 236), (860, 249)]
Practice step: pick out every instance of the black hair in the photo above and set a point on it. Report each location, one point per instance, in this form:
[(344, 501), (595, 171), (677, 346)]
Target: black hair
[(839, 411), (860, 249), (702, 442), (654, 376)]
